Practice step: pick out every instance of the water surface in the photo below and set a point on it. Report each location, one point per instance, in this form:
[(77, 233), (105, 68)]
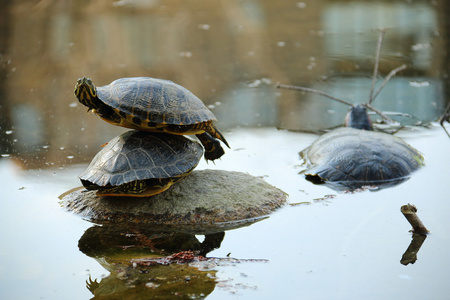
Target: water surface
[(327, 244)]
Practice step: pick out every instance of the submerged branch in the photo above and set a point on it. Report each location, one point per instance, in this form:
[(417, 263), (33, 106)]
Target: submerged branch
[(309, 90)]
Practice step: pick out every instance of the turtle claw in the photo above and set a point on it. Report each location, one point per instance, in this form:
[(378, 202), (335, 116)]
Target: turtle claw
[(213, 149)]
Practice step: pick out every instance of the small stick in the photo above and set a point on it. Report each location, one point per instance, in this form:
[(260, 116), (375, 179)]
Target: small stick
[(409, 211), (377, 61), (309, 90)]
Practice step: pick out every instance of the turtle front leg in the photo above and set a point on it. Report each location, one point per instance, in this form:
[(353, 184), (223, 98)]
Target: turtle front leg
[(213, 149)]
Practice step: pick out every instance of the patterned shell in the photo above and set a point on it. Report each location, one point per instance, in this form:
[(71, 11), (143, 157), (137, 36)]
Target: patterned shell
[(348, 154), (155, 100), (140, 155)]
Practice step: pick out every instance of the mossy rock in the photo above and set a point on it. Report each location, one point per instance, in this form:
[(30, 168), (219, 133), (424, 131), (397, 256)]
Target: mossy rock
[(206, 197)]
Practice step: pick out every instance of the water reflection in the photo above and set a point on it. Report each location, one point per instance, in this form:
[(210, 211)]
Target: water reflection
[(118, 246), (410, 255)]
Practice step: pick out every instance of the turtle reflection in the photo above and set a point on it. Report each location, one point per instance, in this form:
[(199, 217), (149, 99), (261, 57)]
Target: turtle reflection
[(114, 246), (109, 238)]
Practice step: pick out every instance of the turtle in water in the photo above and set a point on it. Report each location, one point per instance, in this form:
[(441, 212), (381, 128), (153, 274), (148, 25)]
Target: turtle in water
[(154, 105), (356, 156), (141, 164)]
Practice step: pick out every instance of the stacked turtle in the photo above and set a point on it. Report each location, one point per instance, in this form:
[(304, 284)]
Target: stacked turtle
[(149, 159)]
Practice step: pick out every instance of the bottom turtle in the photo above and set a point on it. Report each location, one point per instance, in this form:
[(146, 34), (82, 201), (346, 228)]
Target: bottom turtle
[(141, 164), (355, 156)]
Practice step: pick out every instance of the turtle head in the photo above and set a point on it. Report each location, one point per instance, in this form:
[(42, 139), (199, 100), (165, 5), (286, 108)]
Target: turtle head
[(358, 118), (86, 92)]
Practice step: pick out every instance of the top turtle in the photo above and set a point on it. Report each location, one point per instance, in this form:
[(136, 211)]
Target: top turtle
[(155, 105)]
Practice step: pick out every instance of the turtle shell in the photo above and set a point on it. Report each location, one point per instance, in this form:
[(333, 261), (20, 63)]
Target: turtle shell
[(156, 101), (355, 158), (140, 155)]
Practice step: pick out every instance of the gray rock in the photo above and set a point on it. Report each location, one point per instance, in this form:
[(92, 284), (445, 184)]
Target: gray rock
[(205, 197)]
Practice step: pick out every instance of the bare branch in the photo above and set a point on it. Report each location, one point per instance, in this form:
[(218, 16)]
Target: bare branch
[(377, 61), (385, 81), (309, 90), (445, 117), (381, 114)]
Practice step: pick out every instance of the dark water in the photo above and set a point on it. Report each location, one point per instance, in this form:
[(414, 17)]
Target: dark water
[(230, 54)]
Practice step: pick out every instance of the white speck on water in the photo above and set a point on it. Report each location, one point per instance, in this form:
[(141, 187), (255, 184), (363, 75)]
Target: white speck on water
[(70, 156), (419, 83), (211, 106), (301, 4), (405, 277), (258, 82), (8, 132), (61, 148), (203, 26), (281, 44), (73, 104), (418, 47), (254, 83), (45, 147), (6, 155), (152, 285), (187, 54)]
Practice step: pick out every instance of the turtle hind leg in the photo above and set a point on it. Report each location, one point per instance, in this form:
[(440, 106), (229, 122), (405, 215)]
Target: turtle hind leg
[(215, 133), (213, 149)]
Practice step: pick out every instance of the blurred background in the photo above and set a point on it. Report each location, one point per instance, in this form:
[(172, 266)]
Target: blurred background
[(229, 53)]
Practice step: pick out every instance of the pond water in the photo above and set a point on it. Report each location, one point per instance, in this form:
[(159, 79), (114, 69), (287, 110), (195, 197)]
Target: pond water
[(323, 244)]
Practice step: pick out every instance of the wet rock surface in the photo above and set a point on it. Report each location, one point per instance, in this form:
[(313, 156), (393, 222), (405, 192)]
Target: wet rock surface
[(205, 197)]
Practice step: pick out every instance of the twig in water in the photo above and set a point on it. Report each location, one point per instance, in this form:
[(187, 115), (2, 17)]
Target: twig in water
[(409, 211)]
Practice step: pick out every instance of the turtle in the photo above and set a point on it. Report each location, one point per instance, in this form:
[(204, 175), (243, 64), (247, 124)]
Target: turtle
[(155, 105), (355, 156), (141, 164)]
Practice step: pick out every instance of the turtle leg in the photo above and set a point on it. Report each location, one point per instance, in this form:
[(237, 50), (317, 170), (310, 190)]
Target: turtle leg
[(213, 149), (215, 133)]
